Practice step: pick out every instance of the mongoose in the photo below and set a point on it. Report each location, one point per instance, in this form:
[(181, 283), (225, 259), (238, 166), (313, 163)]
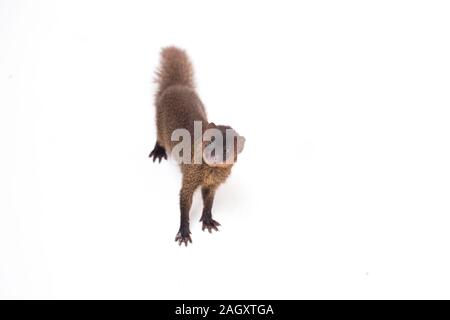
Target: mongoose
[(178, 107)]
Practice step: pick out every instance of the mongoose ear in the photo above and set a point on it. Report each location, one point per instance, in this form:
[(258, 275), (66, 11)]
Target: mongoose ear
[(240, 144), (211, 125)]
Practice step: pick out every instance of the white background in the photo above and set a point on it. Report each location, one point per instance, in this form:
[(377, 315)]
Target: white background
[(342, 190)]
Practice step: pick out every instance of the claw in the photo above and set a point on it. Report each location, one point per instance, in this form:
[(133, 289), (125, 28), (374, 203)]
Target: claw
[(158, 153), (209, 224), (180, 238)]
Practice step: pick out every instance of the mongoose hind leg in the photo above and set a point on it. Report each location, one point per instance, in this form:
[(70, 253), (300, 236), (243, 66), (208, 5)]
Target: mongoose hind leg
[(207, 220), (186, 194), (158, 152)]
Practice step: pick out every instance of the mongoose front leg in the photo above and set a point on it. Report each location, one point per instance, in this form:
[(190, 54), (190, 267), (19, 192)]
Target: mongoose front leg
[(158, 152), (208, 199), (183, 235)]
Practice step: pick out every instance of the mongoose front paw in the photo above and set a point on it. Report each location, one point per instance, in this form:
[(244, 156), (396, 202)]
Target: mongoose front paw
[(183, 237), (158, 153), (210, 224)]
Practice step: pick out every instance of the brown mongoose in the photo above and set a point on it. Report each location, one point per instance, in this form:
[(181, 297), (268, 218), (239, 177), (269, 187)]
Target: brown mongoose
[(179, 107)]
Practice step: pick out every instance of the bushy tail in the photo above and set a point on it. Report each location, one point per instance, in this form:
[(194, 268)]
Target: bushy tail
[(175, 68)]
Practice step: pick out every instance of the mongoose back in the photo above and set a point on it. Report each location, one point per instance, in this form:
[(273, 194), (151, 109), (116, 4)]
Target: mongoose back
[(179, 107)]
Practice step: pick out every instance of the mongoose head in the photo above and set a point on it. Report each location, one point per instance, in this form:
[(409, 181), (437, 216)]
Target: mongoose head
[(221, 145)]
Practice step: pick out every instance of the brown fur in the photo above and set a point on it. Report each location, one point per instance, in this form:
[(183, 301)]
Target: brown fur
[(178, 106)]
